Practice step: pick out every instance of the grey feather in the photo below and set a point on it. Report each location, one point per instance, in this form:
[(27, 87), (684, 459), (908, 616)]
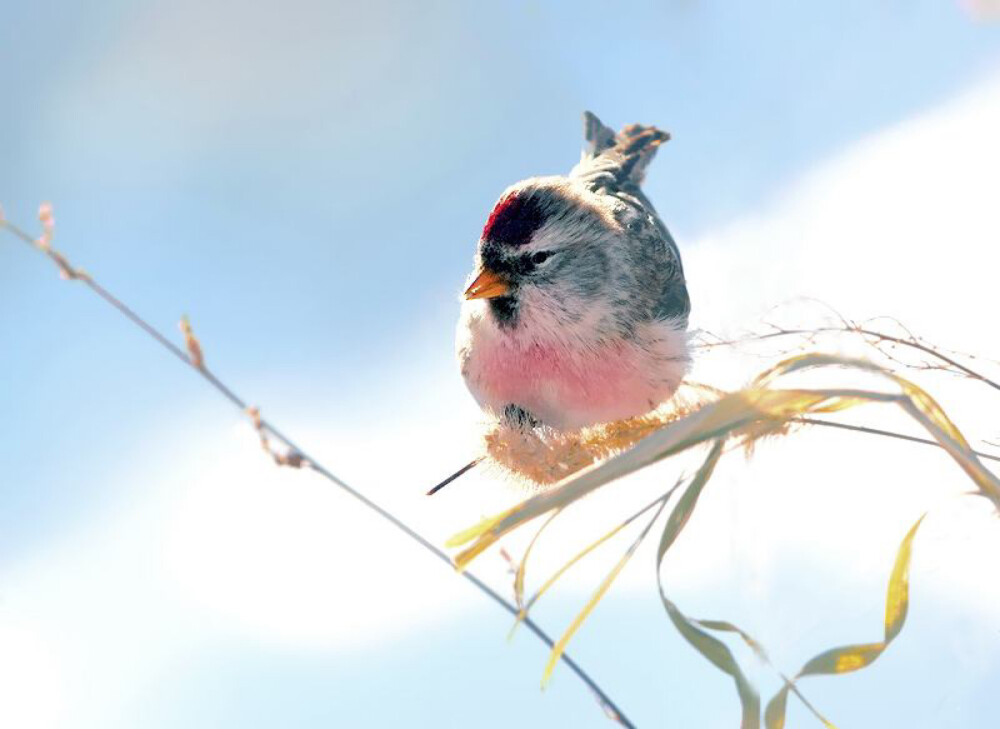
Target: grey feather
[(598, 136), (615, 164), (618, 160)]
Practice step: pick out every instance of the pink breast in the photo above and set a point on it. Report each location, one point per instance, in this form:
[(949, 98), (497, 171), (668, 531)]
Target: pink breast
[(565, 388)]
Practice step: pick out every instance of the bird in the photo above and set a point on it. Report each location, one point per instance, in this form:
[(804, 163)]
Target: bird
[(577, 309)]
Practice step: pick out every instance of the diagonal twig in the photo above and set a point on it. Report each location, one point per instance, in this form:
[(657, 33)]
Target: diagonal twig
[(292, 455), (879, 431)]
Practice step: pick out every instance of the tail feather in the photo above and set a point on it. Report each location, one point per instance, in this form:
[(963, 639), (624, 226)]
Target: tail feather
[(638, 144), (598, 136), (624, 155)]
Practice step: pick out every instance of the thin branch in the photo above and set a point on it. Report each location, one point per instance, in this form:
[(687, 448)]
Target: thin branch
[(886, 433), (467, 467), (293, 455), (913, 342)]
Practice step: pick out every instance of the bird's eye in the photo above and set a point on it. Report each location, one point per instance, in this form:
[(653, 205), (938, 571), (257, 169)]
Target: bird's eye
[(540, 257)]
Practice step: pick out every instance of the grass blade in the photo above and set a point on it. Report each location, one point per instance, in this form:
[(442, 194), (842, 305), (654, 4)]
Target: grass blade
[(713, 649), (560, 646), (523, 565), (846, 659)]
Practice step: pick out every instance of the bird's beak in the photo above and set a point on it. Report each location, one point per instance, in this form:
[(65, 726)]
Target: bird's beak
[(488, 285)]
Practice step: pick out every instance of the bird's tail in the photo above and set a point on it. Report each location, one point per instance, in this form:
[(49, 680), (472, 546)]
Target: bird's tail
[(630, 150)]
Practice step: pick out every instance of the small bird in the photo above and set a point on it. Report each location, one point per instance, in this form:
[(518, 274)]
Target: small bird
[(577, 310)]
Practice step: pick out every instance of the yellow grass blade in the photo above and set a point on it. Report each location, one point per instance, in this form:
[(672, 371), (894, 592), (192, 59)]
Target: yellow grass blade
[(846, 659), (524, 608), (774, 713), (467, 535), (711, 648), (922, 400), (678, 518), (758, 649), (565, 568), (918, 403), (940, 426), (724, 626), (812, 360), (523, 565), (897, 600), (719, 654), (559, 648)]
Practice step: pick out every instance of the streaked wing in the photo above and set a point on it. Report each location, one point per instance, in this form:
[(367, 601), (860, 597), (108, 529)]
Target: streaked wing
[(616, 165)]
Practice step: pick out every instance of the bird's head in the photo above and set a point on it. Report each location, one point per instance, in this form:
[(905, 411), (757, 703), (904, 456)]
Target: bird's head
[(546, 245)]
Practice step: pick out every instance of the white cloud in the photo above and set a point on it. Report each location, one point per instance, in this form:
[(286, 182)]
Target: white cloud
[(903, 222)]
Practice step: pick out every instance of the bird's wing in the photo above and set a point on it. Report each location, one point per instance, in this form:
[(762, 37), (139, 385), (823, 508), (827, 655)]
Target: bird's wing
[(616, 165)]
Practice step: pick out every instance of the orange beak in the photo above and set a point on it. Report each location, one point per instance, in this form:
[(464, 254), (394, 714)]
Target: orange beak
[(488, 285)]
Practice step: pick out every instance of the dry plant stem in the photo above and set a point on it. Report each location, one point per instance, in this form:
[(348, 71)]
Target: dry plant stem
[(886, 433), (609, 706), (467, 467), (804, 420), (848, 328)]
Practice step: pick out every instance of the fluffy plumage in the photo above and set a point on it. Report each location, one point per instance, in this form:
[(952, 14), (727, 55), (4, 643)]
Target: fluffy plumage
[(577, 310)]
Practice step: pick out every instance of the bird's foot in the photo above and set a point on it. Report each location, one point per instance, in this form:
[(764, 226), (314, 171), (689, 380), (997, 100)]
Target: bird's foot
[(517, 417)]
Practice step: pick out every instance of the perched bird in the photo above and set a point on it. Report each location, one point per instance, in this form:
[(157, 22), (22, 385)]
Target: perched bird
[(577, 310)]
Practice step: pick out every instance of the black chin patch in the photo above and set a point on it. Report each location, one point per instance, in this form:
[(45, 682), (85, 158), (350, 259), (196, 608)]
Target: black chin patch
[(504, 310)]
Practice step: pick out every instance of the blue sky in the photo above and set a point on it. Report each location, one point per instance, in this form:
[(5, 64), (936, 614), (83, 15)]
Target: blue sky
[(307, 181)]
